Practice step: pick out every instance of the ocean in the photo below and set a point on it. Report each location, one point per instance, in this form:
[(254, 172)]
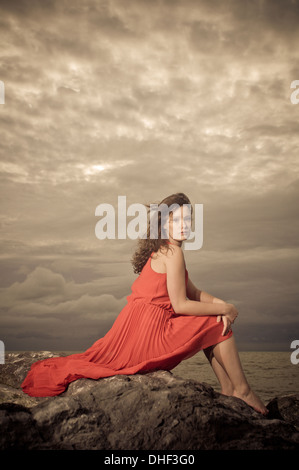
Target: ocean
[(269, 374)]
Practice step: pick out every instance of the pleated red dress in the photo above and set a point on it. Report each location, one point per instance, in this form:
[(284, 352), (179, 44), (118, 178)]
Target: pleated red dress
[(147, 335)]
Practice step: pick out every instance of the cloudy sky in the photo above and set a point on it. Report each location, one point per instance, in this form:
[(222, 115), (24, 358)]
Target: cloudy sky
[(143, 99)]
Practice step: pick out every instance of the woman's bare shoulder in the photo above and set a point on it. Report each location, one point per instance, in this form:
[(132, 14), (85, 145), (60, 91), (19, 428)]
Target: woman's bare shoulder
[(174, 255)]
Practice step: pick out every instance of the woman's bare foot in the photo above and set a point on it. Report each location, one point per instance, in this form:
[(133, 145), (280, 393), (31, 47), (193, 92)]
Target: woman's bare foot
[(252, 400)]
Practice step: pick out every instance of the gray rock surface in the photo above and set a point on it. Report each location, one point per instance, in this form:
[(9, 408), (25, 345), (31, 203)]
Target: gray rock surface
[(154, 411)]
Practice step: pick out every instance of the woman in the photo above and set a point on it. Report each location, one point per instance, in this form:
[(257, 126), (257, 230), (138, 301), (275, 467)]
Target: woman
[(166, 320)]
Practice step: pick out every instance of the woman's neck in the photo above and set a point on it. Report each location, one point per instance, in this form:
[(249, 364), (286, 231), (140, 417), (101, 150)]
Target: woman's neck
[(174, 242)]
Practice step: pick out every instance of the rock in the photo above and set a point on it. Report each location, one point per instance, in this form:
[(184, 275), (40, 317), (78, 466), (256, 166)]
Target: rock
[(285, 408), (154, 411)]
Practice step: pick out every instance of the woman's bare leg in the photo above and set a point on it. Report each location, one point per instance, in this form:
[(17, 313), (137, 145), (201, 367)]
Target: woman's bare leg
[(227, 356), (223, 378)]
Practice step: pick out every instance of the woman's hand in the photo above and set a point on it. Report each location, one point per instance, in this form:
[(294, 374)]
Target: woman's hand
[(218, 301), (229, 316), (226, 322), (231, 312)]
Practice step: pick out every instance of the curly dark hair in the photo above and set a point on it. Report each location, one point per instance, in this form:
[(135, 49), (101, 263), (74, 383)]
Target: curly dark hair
[(148, 245)]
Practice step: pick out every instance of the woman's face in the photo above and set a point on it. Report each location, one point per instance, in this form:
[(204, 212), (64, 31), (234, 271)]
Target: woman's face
[(180, 224)]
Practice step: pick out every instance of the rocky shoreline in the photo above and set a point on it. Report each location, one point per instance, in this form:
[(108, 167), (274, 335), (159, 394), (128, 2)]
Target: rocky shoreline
[(154, 411)]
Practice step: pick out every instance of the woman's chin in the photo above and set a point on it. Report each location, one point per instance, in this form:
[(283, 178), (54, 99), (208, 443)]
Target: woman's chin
[(181, 239), (184, 236)]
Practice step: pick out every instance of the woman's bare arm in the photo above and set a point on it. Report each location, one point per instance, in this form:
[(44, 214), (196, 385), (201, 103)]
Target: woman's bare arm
[(176, 286), (193, 293)]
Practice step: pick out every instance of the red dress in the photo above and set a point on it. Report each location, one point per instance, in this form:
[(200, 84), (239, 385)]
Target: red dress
[(147, 335)]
